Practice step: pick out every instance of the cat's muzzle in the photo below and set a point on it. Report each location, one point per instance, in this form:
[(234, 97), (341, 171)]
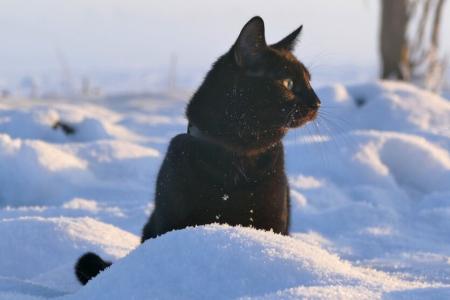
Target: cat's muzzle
[(304, 114)]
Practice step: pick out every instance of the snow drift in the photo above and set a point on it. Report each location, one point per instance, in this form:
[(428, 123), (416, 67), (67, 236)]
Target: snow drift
[(221, 262), (370, 189)]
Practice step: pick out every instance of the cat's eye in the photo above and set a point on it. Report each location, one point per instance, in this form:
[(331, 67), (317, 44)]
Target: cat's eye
[(288, 83)]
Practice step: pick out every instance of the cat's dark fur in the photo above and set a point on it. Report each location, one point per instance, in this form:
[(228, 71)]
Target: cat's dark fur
[(230, 167)]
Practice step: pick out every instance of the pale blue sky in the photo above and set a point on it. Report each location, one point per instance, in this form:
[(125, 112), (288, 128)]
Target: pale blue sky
[(113, 34)]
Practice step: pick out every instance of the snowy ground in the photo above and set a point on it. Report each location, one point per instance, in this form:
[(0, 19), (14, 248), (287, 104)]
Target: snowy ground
[(370, 202)]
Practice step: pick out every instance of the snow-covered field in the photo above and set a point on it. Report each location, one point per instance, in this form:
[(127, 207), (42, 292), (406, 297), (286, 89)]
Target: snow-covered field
[(370, 203)]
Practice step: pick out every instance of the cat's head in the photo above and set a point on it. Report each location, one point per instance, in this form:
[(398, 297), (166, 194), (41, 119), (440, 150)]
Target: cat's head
[(254, 93)]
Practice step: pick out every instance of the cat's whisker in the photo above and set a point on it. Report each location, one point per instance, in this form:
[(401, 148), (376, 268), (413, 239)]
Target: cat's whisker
[(325, 113), (316, 143), (322, 142), (333, 125), (343, 136), (330, 134), (336, 118)]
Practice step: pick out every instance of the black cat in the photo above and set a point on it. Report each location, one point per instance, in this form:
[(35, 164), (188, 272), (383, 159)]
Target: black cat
[(229, 167)]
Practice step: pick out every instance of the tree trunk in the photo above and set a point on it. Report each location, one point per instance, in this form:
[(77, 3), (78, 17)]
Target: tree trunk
[(393, 41), (409, 42)]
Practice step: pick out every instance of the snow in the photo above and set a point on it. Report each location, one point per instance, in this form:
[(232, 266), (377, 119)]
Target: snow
[(370, 189), (207, 257)]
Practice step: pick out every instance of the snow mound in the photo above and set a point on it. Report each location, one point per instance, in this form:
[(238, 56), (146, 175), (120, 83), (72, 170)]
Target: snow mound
[(396, 106), (30, 167), (14, 289), (42, 165), (397, 151), (90, 122), (38, 245), (222, 262)]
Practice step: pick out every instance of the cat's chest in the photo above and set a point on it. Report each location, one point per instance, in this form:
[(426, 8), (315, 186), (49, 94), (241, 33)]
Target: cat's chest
[(236, 190), (214, 178), (248, 206), (230, 171)]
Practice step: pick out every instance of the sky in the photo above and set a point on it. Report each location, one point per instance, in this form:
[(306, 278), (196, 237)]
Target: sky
[(91, 35)]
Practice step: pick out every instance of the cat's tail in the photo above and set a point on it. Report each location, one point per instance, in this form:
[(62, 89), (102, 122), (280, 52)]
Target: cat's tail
[(89, 265)]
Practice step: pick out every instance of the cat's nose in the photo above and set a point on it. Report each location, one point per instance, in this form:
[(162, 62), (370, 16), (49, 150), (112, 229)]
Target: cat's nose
[(313, 100)]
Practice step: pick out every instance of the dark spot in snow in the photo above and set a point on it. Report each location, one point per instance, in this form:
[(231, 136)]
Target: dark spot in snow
[(66, 128), (360, 101)]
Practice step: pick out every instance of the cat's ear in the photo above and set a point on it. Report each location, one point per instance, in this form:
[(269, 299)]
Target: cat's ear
[(250, 43), (288, 43)]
